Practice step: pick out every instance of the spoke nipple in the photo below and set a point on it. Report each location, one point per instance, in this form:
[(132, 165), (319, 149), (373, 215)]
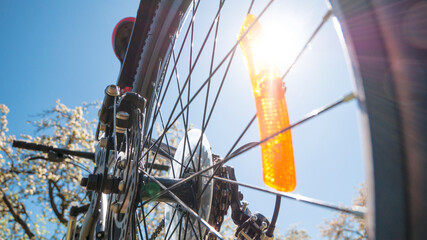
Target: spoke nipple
[(327, 15), (121, 185), (349, 97)]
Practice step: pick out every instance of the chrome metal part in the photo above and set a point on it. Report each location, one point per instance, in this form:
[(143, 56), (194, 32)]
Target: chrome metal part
[(122, 163), (112, 90), (114, 208), (103, 142), (102, 127), (120, 130), (198, 144), (122, 115), (121, 186)]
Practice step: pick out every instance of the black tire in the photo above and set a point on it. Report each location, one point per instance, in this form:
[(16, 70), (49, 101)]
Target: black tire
[(392, 94)]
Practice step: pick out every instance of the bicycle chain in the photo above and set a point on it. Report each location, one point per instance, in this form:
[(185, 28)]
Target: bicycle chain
[(158, 230), (221, 199)]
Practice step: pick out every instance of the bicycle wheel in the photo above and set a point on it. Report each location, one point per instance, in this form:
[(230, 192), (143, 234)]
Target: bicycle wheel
[(166, 75)]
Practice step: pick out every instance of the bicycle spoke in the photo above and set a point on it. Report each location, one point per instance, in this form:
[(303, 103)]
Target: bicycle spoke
[(152, 209), (247, 147), (181, 109), (187, 220), (183, 205), (311, 115), (145, 226), (170, 123), (174, 229), (159, 105), (166, 138), (209, 82), (192, 226), (210, 114), (326, 17), (211, 67), (297, 197), (189, 75), (173, 216), (180, 227)]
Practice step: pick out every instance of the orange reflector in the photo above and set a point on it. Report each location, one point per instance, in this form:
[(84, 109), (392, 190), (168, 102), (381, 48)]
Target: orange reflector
[(277, 153)]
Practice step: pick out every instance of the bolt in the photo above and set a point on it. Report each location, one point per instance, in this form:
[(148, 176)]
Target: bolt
[(264, 226), (254, 218), (112, 90), (121, 185), (122, 115), (122, 163), (120, 129), (100, 234)]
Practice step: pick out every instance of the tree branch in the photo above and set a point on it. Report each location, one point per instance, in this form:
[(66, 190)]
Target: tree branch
[(16, 171), (18, 218), (53, 204)]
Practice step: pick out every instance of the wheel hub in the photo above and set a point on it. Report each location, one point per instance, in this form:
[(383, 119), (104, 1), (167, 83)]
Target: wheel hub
[(192, 155)]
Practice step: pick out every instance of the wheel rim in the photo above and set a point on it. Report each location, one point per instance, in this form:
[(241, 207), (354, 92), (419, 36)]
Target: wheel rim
[(179, 107), (181, 103)]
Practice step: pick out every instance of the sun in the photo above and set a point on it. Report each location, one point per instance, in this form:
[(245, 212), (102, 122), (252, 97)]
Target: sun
[(277, 46)]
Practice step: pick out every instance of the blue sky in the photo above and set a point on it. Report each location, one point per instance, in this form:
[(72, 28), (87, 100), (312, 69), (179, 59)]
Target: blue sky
[(62, 50)]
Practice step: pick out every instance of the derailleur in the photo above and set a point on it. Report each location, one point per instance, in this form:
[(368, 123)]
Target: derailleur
[(250, 226)]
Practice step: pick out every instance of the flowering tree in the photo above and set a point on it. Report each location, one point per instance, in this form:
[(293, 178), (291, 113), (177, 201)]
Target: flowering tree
[(35, 193), (346, 226)]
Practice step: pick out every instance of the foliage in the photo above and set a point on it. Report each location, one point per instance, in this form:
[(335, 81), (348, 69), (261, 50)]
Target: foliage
[(293, 233), (36, 194), (346, 226)]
